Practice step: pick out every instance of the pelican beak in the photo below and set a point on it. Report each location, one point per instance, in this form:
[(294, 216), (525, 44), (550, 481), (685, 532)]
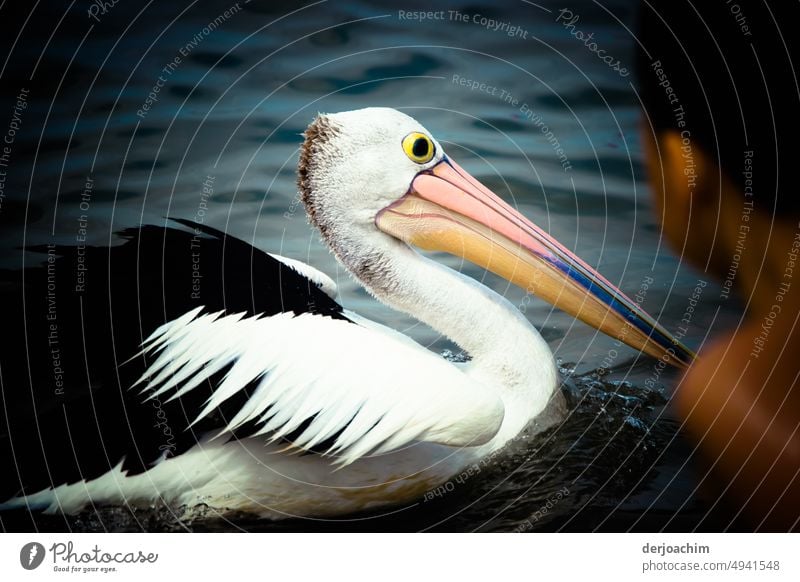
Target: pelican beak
[(446, 209)]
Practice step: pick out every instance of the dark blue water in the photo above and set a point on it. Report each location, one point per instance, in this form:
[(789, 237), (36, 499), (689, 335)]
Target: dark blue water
[(147, 102)]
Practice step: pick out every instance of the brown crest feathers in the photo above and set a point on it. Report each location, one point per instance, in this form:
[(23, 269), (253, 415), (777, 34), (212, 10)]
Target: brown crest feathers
[(316, 136)]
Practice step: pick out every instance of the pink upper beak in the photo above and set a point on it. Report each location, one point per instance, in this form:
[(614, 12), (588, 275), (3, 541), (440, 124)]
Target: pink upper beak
[(448, 210)]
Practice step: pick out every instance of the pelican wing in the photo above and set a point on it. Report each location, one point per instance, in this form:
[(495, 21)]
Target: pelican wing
[(320, 279), (321, 379)]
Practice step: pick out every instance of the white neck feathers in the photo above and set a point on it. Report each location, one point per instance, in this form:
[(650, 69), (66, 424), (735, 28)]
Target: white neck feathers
[(508, 354)]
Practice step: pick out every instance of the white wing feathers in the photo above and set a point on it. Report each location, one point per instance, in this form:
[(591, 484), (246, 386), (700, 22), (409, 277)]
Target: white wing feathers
[(373, 391)]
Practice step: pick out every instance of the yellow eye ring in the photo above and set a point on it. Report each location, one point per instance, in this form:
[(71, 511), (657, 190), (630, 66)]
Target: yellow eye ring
[(418, 147)]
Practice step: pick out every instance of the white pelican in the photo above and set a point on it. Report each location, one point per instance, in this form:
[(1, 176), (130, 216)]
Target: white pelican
[(187, 367)]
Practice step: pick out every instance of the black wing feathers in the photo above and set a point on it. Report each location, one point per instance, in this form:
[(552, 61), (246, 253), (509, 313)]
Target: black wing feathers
[(70, 323)]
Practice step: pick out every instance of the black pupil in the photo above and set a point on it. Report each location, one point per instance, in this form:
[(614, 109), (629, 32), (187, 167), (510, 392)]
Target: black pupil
[(421, 147)]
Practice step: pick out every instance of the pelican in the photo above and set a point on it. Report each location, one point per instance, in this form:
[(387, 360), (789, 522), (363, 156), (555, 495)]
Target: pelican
[(190, 368)]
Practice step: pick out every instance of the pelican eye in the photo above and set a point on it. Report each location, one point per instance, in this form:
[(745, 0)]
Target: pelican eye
[(418, 147)]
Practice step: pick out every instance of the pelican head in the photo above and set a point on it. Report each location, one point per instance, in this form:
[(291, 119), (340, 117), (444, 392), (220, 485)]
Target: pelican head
[(375, 177)]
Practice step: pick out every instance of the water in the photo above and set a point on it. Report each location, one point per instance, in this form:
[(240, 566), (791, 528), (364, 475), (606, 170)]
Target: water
[(229, 108)]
